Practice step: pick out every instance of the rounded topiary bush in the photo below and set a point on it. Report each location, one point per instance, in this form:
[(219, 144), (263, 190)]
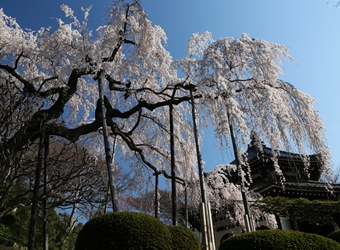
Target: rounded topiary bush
[(279, 240), (124, 230), (335, 236), (184, 239)]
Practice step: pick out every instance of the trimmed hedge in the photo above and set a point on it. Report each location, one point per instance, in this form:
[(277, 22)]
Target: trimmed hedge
[(335, 236), (124, 230), (184, 239), (279, 240)]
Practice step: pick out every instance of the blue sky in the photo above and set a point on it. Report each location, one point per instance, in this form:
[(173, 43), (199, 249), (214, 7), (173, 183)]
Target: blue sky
[(309, 28)]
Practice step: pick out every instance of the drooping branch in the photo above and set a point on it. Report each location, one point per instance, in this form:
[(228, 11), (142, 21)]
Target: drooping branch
[(136, 124), (121, 39), (132, 146)]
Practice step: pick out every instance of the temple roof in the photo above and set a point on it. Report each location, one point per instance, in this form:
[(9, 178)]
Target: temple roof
[(257, 148), (313, 190), (260, 158)]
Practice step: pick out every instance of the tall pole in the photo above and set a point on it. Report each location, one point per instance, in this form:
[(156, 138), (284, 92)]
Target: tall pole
[(112, 164), (186, 205), (45, 212), (34, 209), (156, 193), (173, 173), (198, 152), (113, 192), (186, 183), (247, 216), (206, 221)]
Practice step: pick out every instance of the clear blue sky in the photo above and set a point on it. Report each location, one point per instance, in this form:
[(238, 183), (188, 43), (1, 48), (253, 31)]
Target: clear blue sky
[(311, 29)]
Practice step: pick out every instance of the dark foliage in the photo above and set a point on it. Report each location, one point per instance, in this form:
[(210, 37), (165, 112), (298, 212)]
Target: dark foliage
[(279, 240), (335, 236), (226, 236), (184, 239), (124, 230), (14, 229)]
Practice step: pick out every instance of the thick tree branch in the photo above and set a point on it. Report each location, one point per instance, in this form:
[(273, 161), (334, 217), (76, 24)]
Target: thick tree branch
[(28, 86), (32, 129)]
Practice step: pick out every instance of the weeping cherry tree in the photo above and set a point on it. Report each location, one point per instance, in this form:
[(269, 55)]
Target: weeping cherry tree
[(236, 84), (239, 83)]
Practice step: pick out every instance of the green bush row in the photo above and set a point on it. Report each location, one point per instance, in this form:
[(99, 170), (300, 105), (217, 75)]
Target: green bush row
[(279, 240), (130, 230)]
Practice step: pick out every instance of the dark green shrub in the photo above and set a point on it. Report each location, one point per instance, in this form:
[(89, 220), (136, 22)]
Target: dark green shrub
[(124, 230), (8, 220), (279, 240), (184, 239), (262, 227), (226, 236), (335, 236)]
